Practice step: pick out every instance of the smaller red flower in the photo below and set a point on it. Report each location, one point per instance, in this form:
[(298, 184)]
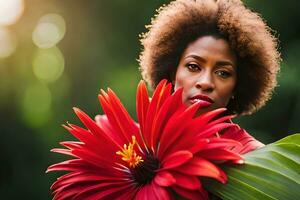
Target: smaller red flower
[(166, 153)]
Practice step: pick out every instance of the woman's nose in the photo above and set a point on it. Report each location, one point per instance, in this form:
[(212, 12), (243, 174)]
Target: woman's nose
[(205, 82)]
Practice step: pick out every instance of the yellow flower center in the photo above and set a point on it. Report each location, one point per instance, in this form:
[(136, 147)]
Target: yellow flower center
[(129, 155)]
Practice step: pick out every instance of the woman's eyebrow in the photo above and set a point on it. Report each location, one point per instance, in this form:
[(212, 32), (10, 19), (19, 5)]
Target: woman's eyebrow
[(219, 63), (225, 62), (195, 57)]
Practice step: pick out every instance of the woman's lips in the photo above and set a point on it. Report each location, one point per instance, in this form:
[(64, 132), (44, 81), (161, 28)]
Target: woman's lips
[(201, 98)]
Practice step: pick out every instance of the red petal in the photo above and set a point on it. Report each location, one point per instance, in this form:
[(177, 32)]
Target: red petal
[(118, 117), (221, 119), (79, 178), (200, 194), (213, 143), (152, 192), (104, 124), (160, 94), (195, 138), (100, 143), (174, 129), (60, 182), (70, 165), (172, 105), (108, 194), (186, 181), (201, 167), (128, 194), (145, 193), (176, 159), (63, 151), (214, 129), (200, 122), (142, 104), (87, 121), (72, 144), (160, 192), (164, 178), (92, 126), (100, 191), (194, 132), (126, 123), (219, 154), (94, 159)]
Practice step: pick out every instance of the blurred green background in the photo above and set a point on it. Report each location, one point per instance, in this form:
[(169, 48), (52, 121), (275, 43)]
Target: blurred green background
[(58, 54)]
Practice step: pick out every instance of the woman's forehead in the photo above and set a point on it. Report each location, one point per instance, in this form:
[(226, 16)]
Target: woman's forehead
[(207, 47)]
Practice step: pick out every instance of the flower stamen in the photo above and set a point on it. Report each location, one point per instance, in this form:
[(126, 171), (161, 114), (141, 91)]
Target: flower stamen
[(129, 155)]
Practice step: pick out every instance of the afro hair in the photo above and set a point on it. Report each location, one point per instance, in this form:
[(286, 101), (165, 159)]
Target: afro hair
[(183, 21)]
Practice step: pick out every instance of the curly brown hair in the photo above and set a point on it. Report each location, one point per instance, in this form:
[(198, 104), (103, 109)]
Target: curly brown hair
[(183, 21)]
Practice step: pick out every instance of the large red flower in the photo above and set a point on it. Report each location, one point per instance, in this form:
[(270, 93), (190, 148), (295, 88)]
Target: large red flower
[(163, 155)]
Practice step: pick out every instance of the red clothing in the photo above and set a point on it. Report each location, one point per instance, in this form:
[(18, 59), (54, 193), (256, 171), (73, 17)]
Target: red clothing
[(248, 142)]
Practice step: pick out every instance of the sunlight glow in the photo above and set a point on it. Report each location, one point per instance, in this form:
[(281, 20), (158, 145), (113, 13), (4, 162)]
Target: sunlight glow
[(48, 64), (36, 104), (49, 31), (8, 43), (10, 11)]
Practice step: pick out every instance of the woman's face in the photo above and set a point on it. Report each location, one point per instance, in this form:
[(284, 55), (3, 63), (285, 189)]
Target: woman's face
[(207, 72)]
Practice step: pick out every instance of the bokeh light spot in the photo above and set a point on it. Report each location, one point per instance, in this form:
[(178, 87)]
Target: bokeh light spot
[(10, 11), (48, 64), (8, 43), (36, 104), (49, 31)]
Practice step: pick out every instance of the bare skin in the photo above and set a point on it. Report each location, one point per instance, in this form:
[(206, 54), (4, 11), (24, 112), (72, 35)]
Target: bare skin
[(207, 71)]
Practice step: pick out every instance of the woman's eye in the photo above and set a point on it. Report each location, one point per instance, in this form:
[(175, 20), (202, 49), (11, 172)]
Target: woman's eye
[(193, 67), (223, 74)]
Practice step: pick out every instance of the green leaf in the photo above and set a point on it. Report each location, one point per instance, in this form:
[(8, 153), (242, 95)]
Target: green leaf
[(272, 172), (294, 139)]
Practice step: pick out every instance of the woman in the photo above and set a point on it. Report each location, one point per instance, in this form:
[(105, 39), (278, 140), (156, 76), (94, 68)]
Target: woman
[(217, 50)]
